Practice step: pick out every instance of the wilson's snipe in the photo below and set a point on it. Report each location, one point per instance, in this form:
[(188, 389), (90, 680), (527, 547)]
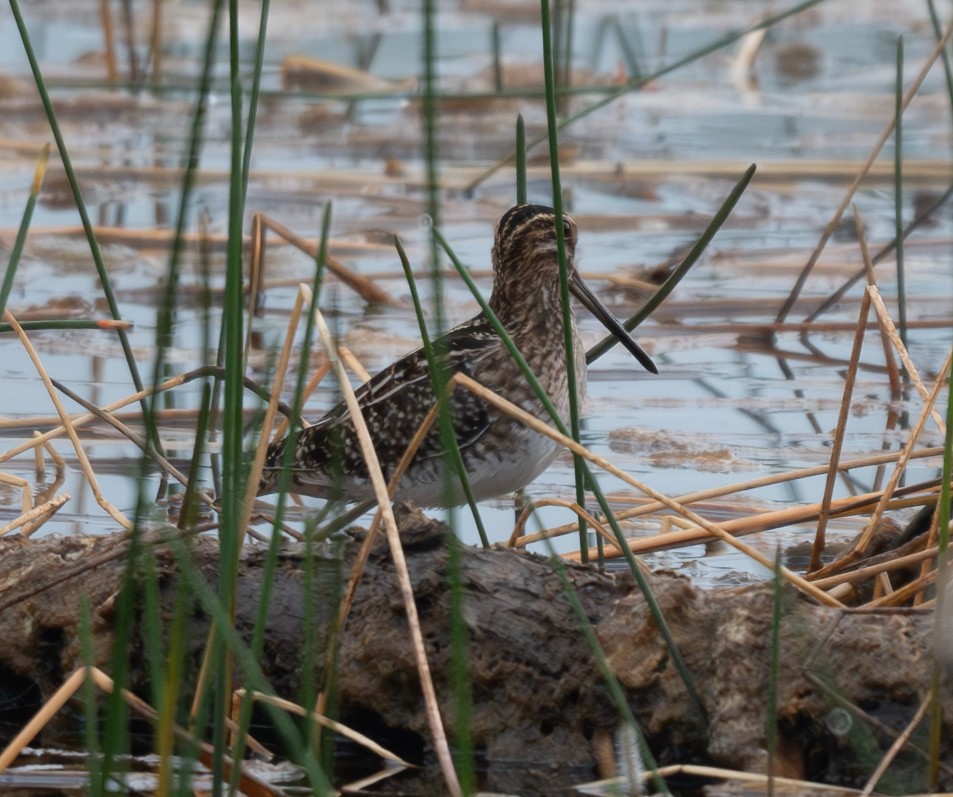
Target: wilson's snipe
[(500, 454)]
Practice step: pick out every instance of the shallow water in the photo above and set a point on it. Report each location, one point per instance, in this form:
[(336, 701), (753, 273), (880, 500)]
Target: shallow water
[(820, 90)]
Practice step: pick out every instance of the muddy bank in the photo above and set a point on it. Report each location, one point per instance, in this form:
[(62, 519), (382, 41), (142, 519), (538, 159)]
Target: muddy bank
[(846, 679)]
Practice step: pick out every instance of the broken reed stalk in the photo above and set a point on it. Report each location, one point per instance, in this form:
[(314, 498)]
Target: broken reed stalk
[(886, 322), (78, 421), (855, 184), (364, 287), (650, 507), (896, 597), (66, 692), (572, 506), (87, 468), (32, 519), (302, 298), (861, 544), (763, 521), (713, 529), (26, 502), (868, 571), (893, 373), (817, 549), (293, 708), (126, 432), (435, 722), (316, 378), (360, 561)]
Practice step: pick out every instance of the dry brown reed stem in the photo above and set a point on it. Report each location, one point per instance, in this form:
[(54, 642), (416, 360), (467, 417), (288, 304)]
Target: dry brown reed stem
[(817, 549), (156, 43), (26, 496), (109, 40), (441, 747), (861, 545), (66, 691), (891, 331), (114, 513), (893, 373), (354, 364), (369, 291), (852, 189), (763, 521), (916, 171), (357, 569), (304, 294), (713, 529), (572, 506), (83, 419), (360, 561), (717, 773), (161, 239), (31, 422), (662, 325), (932, 535), (322, 371), (248, 783), (36, 517), (302, 298), (897, 746), (39, 720), (900, 595), (134, 438), (650, 507), (293, 708), (868, 571)]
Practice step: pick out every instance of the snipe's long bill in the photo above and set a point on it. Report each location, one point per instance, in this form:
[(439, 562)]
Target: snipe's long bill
[(500, 454)]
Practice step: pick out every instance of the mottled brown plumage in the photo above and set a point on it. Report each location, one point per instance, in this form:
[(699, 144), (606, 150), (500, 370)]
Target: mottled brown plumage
[(500, 454)]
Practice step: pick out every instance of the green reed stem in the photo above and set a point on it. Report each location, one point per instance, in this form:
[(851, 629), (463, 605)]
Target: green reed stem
[(461, 775), (497, 56), (233, 464), (294, 428), (459, 636), (448, 441), (254, 678), (271, 560), (945, 56), (771, 729), (58, 324), (568, 326), (165, 316), (77, 197), (943, 591), (898, 196), (254, 93), (24, 228), (94, 765), (690, 259), (641, 81), (520, 161), (169, 679), (677, 658)]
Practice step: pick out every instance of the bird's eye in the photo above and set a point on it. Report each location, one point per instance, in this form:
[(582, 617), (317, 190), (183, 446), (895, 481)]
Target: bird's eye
[(567, 229)]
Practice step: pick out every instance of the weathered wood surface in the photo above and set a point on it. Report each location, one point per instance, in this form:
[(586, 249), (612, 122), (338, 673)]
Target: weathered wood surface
[(537, 694)]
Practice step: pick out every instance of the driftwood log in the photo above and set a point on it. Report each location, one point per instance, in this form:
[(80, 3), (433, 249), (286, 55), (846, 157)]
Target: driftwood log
[(849, 681)]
